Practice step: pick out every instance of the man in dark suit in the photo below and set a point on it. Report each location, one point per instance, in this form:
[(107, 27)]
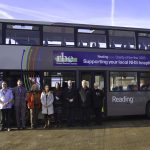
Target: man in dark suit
[(85, 103), (70, 101), (97, 101), (20, 104)]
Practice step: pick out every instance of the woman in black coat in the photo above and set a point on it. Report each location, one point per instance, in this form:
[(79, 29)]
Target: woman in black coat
[(97, 100), (58, 102)]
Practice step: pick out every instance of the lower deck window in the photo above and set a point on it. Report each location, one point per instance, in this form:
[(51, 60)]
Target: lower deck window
[(144, 81), (51, 78), (123, 81)]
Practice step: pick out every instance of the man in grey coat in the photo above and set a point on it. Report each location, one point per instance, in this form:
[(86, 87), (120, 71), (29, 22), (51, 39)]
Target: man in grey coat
[(20, 104)]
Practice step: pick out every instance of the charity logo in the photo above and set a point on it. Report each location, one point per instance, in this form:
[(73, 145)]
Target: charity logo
[(63, 59)]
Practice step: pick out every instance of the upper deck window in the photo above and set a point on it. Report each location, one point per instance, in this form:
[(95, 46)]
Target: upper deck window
[(0, 33), (91, 38), (22, 35), (144, 41), (121, 39), (58, 36)]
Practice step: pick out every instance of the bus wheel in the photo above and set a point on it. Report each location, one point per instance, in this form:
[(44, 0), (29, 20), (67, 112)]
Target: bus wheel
[(148, 110)]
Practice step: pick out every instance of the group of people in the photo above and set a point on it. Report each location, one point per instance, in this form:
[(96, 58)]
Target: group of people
[(50, 103)]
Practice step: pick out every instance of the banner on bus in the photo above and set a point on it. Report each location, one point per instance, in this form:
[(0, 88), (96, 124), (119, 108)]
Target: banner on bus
[(100, 59)]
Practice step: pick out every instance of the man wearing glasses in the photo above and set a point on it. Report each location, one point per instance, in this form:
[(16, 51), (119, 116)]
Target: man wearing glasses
[(6, 98)]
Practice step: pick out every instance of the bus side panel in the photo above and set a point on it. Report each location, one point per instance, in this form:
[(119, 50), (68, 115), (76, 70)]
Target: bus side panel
[(34, 58), (127, 103), (10, 56)]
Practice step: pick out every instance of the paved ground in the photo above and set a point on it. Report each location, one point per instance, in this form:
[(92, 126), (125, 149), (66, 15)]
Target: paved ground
[(122, 134)]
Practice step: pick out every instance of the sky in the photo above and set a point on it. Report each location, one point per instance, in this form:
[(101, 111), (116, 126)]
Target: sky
[(126, 13)]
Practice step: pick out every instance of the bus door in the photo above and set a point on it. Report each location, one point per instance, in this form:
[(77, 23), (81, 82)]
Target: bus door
[(95, 77), (92, 77), (50, 78)]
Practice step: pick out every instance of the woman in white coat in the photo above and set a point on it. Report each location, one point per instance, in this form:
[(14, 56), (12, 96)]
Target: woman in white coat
[(47, 99)]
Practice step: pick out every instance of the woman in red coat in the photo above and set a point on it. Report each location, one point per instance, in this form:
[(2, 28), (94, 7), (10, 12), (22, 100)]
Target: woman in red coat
[(34, 104)]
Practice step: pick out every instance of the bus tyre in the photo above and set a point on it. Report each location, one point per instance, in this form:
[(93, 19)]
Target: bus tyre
[(148, 110)]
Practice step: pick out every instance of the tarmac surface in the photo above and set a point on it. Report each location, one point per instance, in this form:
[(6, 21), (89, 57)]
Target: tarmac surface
[(114, 134)]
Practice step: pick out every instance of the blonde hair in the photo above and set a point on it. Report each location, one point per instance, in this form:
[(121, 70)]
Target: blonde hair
[(34, 86)]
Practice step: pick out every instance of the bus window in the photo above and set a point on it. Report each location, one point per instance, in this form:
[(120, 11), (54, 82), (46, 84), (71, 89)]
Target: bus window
[(22, 35), (91, 38), (58, 36), (144, 41), (123, 81), (0, 33), (144, 81), (121, 39), (51, 78)]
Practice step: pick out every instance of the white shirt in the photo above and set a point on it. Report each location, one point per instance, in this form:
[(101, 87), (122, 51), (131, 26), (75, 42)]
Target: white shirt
[(5, 96)]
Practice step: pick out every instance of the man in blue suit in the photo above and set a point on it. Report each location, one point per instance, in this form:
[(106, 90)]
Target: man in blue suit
[(20, 104)]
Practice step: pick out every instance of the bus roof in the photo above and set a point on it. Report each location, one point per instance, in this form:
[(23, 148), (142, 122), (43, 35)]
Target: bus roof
[(87, 26)]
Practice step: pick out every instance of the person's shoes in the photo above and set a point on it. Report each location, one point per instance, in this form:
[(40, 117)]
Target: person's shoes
[(55, 126), (59, 126), (100, 123), (32, 126), (69, 125), (2, 129), (23, 128), (50, 126), (18, 128), (82, 124), (8, 129), (45, 126)]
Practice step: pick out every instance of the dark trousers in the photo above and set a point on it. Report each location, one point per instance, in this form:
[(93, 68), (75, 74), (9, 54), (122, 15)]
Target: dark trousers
[(85, 116), (58, 116), (70, 116), (20, 115), (48, 119), (98, 115), (5, 122), (34, 116)]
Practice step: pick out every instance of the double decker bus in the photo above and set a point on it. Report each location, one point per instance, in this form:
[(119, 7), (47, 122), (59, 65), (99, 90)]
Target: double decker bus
[(117, 58)]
